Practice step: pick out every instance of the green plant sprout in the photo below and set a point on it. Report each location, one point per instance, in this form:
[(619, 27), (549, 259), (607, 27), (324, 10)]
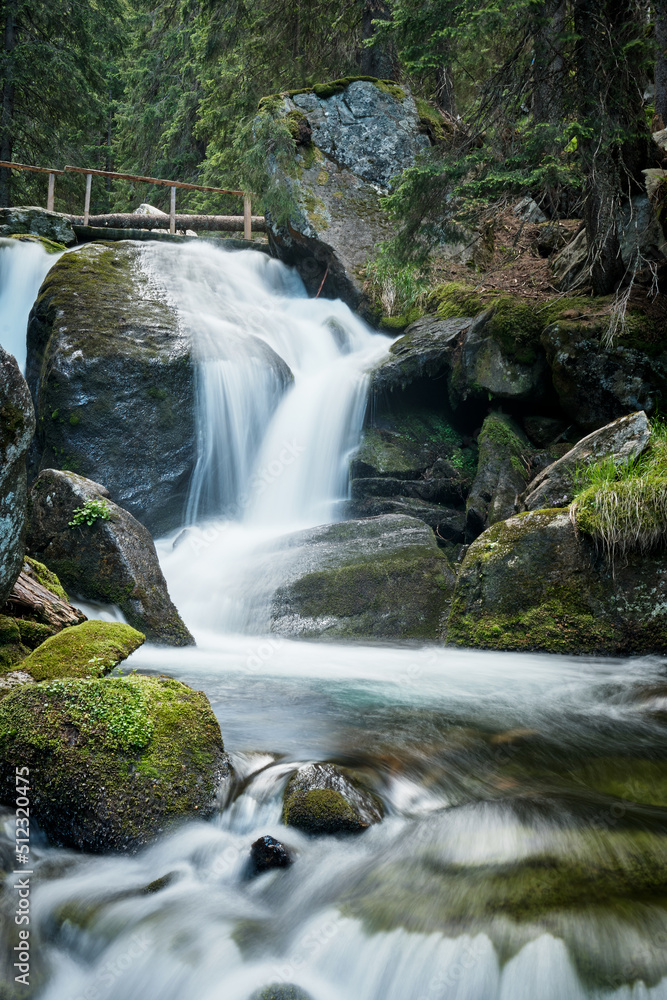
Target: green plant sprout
[(92, 510)]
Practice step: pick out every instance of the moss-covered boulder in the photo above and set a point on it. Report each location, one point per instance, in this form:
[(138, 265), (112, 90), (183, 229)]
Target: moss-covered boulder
[(322, 798), (17, 426), (620, 441), (49, 245), (105, 555), (502, 473), (113, 381), (114, 761), (381, 578), (28, 219), (91, 649), (534, 582)]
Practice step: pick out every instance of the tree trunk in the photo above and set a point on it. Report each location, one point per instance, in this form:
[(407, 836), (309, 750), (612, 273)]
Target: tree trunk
[(548, 64), (609, 103), (7, 110), (444, 90), (376, 60), (661, 61)]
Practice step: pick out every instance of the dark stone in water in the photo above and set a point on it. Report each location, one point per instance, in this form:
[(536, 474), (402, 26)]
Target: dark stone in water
[(267, 853), (281, 991)]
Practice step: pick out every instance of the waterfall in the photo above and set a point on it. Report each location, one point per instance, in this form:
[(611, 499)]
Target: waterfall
[(281, 399), (23, 267)]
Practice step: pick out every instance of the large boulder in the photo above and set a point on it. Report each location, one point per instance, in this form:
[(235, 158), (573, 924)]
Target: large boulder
[(90, 649), (502, 473), (113, 381), (596, 383), (17, 426), (322, 798), (37, 222), (363, 134), (114, 762), (534, 582), (419, 360), (621, 440), (112, 559), (381, 578)]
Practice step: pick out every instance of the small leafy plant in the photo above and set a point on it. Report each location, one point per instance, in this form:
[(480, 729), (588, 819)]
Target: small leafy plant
[(92, 510)]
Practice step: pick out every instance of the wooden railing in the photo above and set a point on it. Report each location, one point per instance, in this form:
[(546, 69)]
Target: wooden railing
[(113, 175)]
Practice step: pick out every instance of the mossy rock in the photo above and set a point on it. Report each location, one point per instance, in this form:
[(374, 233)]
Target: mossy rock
[(47, 578), (629, 779), (113, 761), (91, 649), (280, 991), (12, 648), (322, 798), (49, 245)]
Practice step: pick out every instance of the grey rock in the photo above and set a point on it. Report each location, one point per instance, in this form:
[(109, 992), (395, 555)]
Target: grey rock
[(381, 578), (543, 430), (111, 560), (596, 384), (280, 991), (17, 426), (482, 368), (37, 222), (448, 523), (423, 354), (322, 798), (502, 473), (362, 138), (623, 439), (569, 269), (529, 211)]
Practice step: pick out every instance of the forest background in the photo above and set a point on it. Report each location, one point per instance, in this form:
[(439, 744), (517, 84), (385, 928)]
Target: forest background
[(557, 98)]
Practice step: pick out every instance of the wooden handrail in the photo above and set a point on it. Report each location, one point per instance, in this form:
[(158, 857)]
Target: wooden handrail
[(24, 166), (152, 180)]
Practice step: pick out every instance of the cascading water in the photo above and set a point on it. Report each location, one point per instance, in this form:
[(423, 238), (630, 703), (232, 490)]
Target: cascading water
[(23, 267), (483, 760)]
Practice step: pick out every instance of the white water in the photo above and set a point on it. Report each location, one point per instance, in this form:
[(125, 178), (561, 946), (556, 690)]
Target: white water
[(23, 267), (393, 914)]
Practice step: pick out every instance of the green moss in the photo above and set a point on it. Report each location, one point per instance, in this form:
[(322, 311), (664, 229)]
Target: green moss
[(12, 650), (498, 431), (626, 778), (74, 420), (49, 245), (87, 650), (112, 759), (33, 634), (400, 322), (320, 810), (12, 422), (455, 299), (431, 122)]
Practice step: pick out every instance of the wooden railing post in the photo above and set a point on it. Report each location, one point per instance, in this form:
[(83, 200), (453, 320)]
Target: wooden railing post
[(86, 204), (247, 218), (50, 198), (172, 212)]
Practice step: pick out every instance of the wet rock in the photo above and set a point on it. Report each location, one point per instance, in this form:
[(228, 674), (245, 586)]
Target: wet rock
[(448, 523), (380, 578), (114, 762), (597, 384), (267, 853), (90, 649), (113, 381), (363, 135), (39, 222), (419, 358), (112, 560), (281, 991), (502, 473), (534, 582), (621, 440), (500, 357), (17, 426), (322, 798)]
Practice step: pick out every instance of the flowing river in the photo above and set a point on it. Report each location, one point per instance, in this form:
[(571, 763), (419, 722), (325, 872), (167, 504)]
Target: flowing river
[(521, 847)]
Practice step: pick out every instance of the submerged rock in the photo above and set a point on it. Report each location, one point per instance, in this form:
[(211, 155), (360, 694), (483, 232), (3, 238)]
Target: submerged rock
[(322, 798), (280, 991), (533, 582), (17, 426), (502, 473), (112, 560), (90, 649), (38, 222), (267, 853), (113, 381), (380, 578), (114, 762), (621, 440)]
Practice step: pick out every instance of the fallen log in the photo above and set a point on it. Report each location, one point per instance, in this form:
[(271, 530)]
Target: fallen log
[(31, 600), (128, 220)]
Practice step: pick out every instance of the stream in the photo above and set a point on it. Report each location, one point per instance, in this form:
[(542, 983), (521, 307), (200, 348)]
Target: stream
[(521, 834)]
